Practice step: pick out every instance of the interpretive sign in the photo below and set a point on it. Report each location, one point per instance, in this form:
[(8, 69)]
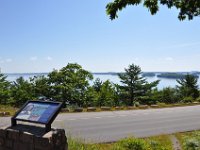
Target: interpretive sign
[(42, 112)]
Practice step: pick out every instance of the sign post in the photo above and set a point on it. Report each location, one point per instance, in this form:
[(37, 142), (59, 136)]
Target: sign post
[(39, 112)]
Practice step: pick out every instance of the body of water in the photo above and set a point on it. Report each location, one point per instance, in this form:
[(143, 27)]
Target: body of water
[(164, 82)]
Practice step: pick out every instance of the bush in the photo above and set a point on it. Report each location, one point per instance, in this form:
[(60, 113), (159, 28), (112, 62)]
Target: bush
[(169, 96), (191, 144), (136, 104), (72, 108), (134, 144), (198, 99), (187, 100)]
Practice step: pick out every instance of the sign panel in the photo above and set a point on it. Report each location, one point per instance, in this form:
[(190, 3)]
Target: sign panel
[(37, 112), (42, 112)]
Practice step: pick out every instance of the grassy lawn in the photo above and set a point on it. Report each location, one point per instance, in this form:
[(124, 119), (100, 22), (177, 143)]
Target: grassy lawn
[(161, 142)]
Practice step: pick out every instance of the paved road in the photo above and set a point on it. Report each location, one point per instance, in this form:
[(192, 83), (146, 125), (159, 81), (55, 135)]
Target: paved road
[(112, 126)]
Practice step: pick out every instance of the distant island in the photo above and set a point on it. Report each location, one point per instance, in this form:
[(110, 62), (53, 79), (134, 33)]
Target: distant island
[(106, 73), (175, 75), (148, 74), (170, 75)]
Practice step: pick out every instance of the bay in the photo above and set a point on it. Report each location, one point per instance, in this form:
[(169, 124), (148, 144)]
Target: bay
[(164, 82)]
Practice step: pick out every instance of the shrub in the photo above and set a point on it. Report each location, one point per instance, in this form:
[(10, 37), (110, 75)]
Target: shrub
[(187, 100), (198, 99), (191, 144), (72, 108), (169, 95), (134, 144), (136, 104)]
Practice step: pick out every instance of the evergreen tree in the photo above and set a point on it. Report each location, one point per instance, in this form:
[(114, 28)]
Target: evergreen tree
[(41, 86), (134, 84), (97, 84), (4, 89), (188, 86), (106, 94)]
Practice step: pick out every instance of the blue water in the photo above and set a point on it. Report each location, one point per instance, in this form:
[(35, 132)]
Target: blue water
[(164, 82)]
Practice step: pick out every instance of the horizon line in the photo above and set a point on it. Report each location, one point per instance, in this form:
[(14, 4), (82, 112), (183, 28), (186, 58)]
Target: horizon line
[(107, 72)]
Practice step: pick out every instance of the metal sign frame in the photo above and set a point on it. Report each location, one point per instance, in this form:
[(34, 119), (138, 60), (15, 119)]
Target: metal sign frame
[(51, 118)]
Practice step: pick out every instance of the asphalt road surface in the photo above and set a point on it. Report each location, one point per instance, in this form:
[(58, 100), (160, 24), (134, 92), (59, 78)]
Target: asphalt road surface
[(114, 125)]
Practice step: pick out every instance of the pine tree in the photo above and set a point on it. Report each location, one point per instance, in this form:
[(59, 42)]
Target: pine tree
[(133, 84)]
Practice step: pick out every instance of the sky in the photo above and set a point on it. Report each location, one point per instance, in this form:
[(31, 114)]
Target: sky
[(42, 35)]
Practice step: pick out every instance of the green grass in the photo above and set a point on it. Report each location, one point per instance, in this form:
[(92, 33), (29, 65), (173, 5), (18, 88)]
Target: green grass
[(185, 136), (77, 144), (161, 142)]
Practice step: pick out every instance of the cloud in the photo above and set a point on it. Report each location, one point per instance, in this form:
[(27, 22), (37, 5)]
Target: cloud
[(169, 59), (34, 58), (49, 58)]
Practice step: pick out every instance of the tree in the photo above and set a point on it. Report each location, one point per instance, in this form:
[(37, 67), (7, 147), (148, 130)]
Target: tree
[(41, 86), (21, 91), (70, 84), (187, 8), (188, 86), (106, 94), (91, 98), (97, 84), (134, 84), (169, 95), (4, 89)]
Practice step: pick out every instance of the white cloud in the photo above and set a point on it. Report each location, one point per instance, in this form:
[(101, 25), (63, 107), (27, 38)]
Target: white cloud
[(169, 59), (34, 58), (49, 58)]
